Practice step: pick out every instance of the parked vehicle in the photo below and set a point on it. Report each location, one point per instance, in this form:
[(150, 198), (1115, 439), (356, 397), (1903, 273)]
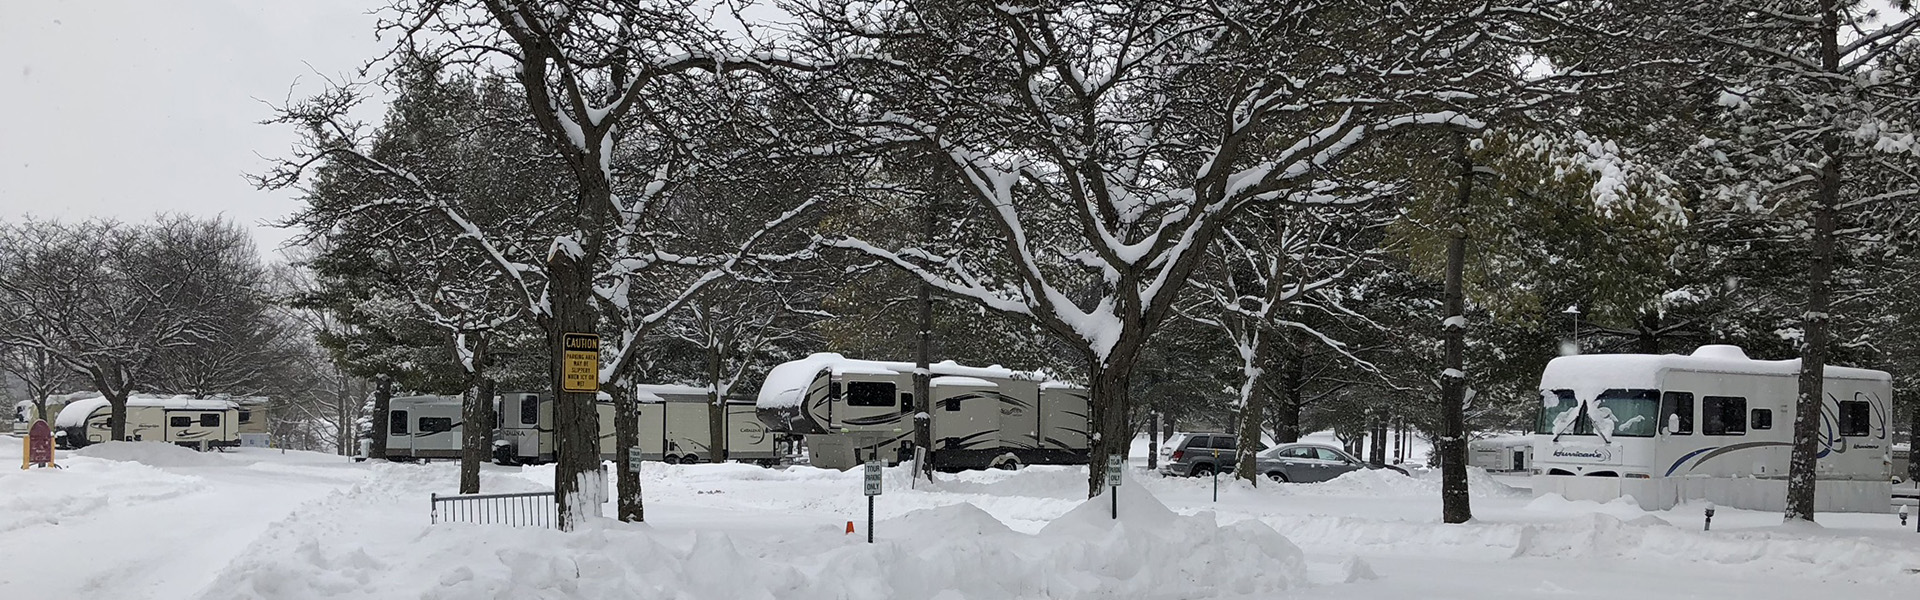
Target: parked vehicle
[(1310, 463), (1714, 426), (674, 426), (194, 423), (853, 410), (1201, 454), (424, 427)]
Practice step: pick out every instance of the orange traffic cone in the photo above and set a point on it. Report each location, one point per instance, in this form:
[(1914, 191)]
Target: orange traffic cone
[(849, 527)]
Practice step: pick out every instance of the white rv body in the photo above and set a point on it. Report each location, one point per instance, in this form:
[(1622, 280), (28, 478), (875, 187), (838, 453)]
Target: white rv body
[(851, 410), (1713, 426), (24, 411), (1501, 453), (194, 423), (424, 427), (673, 427)]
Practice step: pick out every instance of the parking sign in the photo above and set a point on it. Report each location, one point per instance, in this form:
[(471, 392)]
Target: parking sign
[(1114, 465), (873, 478)]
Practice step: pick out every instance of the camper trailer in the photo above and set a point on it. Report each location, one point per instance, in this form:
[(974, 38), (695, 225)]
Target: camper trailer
[(424, 427), (673, 427), (1713, 426), (255, 424), (195, 423), (852, 410), (25, 412), (1506, 453)]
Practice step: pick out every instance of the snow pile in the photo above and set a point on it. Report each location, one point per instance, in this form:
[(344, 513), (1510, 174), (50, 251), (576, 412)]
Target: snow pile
[(1648, 538), (85, 486), (153, 454), (1387, 483), (354, 545)]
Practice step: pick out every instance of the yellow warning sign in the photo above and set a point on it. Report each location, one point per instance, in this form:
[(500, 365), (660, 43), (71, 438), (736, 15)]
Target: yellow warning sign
[(580, 369)]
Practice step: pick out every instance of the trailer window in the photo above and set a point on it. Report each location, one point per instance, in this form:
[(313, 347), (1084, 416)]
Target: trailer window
[(1855, 419), (529, 410), (397, 422), (1762, 418), (180, 421), (1723, 415), (870, 393), (1676, 413), (906, 403), (246, 416), (210, 419), (435, 424), (953, 404)]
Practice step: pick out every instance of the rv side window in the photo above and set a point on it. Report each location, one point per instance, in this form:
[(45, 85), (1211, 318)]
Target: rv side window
[(953, 404), (210, 419), (870, 393), (1676, 413), (1723, 415), (246, 416), (1762, 418), (435, 424), (1854, 418), (529, 410), (397, 421), (181, 421), (906, 403)]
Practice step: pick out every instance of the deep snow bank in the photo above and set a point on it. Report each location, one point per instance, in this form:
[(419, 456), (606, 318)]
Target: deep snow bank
[(359, 544), (85, 485), (153, 454)]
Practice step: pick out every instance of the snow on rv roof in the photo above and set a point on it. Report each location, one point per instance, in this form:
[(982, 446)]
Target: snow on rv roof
[(656, 393), (966, 381), (787, 383), (77, 411), (1590, 374)]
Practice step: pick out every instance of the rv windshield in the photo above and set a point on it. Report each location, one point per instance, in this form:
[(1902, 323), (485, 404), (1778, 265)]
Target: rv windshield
[(1616, 412)]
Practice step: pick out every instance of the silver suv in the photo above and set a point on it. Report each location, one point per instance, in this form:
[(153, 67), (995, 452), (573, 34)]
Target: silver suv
[(1201, 454), (1310, 463)]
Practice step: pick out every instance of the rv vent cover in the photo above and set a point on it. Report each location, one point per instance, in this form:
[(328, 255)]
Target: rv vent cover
[(1721, 351)]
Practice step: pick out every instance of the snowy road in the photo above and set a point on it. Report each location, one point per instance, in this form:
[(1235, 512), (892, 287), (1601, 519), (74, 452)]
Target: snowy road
[(264, 525)]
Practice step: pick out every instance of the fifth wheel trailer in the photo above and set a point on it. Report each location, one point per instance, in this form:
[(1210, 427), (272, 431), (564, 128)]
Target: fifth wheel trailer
[(183, 420), (673, 427), (1713, 426), (851, 410)]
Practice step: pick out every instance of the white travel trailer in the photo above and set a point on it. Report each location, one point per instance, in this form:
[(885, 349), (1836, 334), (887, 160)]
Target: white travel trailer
[(424, 427), (851, 410), (673, 427), (195, 423), (1501, 453), (24, 411), (1714, 426)]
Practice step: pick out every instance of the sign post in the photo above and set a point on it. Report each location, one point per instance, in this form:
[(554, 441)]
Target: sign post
[(1114, 464), (873, 489), (581, 369), (39, 446), (633, 459), (1216, 475)]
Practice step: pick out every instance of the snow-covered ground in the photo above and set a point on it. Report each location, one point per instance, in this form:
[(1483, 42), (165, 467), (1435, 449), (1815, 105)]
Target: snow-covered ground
[(148, 521)]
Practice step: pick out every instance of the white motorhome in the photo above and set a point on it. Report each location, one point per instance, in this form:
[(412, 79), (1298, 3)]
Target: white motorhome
[(850, 410), (1714, 426), (195, 423), (424, 427), (673, 427)]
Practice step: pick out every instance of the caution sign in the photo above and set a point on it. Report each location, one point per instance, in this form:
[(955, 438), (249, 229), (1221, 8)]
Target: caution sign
[(580, 368)]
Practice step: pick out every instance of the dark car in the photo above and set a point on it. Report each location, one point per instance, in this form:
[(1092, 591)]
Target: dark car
[(1202, 454), (1310, 463)]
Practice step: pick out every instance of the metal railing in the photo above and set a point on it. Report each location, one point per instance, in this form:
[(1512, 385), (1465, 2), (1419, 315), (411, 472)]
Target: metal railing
[(527, 509)]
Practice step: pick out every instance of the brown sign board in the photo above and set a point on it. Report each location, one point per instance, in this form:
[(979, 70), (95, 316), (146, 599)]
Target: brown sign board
[(580, 364), (40, 444)]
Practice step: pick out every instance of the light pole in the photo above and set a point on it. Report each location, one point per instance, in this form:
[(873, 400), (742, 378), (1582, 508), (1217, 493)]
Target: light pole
[(1573, 346)]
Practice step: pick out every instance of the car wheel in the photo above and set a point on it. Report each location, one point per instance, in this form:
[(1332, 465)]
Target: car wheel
[(1277, 477), (1202, 471)]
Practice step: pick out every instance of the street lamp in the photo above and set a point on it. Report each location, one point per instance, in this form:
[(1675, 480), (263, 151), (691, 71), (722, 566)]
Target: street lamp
[(1572, 347)]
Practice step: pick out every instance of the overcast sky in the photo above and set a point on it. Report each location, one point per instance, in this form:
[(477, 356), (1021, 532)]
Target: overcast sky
[(125, 108)]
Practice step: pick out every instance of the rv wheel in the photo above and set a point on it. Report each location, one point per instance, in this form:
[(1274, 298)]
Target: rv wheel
[(1007, 464), (690, 459), (671, 459)]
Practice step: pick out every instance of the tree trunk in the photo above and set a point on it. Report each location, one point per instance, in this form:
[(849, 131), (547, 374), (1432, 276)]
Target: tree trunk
[(1153, 444), (1292, 376), (1108, 399), (1377, 440), (1456, 506), (1649, 339), (476, 432), (344, 438), (382, 404), (1803, 464), (626, 435), (716, 407), (578, 482), (1251, 416), (923, 364), (1913, 435)]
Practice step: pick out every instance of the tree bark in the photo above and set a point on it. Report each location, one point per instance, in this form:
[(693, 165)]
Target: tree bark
[(1649, 339), (1292, 380), (1456, 506), (382, 404), (1153, 444), (923, 374), (477, 433), (1109, 401), (1913, 435), (716, 407), (578, 482), (626, 434), (1803, 464), (1377, 440)]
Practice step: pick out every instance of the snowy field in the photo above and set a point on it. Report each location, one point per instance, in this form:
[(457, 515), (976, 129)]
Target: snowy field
[(149, 521)]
